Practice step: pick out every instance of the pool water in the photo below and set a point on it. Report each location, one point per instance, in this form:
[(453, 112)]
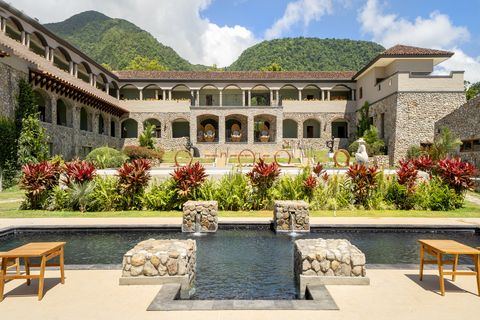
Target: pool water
[(241, 263)]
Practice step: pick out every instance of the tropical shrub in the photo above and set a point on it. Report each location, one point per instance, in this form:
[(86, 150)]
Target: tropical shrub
[(81, 194), (189, 179), (443, 145), (413, 152), (437, 196), (136, 152), (37, 181), (233, 192), (401, 191), (106, 157), (146, 138), (424, 163), (318, 169), (106, 194), (363, 181), (132, 180), (79, 171), (262, 178), (407, 175), (456, 173), (8, 152), (163, 196)]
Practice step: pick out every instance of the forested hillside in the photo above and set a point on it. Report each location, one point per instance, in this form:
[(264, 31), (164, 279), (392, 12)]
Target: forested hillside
[(308, 54), (115, 41)]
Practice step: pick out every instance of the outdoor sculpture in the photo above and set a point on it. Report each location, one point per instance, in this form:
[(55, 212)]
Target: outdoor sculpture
[(330, 144), (361, 155)]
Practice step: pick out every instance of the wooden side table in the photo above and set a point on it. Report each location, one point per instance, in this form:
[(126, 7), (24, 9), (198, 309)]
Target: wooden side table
[(437, 248), (45, 250)]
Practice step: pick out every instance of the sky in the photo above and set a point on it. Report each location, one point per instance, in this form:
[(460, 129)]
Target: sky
[(218, 31)]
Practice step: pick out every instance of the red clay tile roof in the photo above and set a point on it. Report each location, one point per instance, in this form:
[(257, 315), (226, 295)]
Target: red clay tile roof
[(400, 49), (236, 75), (4, 54)]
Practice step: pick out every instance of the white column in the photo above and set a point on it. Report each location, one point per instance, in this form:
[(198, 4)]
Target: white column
[(328, 95), (243, 98), (22, 37), (4, 24), (118, 94), (47, 53), (75, 70), (192, 96), (90, 78), (156, 94), (250, 99), (299, 95), (170, 95), (27, 40), (70, 67), (271, 97), (323, 95), (220, 103), (106, 87), (277, 100), (197, 102), (52, 54), (140, 94), (164, 96), (94, 78)]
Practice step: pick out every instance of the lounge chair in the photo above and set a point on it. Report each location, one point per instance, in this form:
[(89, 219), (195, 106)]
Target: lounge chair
[(200, 133), (236, 133), (264, 133), (209, 133)]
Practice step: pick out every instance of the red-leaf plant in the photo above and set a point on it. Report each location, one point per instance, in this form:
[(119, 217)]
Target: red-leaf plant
[(262, 177), (79, 171), (310, 184), (407, 175), (38, 179), (133, 177), (318, 169), (456, 173), (424, 163), (189, 178), (363, 181)]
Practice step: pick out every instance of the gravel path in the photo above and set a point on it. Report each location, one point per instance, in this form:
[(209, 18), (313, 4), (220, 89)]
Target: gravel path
[(8, 201)]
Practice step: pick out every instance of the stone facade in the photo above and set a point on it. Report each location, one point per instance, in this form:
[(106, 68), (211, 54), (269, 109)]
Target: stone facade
[(161, 258), (410, 118), (9, 79), (290, 216), (381, 161), (200, 216), (464, 123), (328, 258)]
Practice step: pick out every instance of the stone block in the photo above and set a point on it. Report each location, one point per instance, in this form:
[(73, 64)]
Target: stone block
[(291, 216), (200, 216)]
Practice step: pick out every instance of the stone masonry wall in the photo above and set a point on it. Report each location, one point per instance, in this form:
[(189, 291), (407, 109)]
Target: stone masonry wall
[(283, 211), (464, 123), (207, 212), (328, 258)]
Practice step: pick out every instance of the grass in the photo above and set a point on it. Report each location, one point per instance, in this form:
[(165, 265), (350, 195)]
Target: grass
[(11, 194), (267, 160), (11, 210), (183, 157), (320, 156), (474, 194)]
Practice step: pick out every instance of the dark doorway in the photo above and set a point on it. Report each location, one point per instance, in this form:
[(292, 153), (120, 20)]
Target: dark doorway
[(309, 131), (341, 132), (209, 100)]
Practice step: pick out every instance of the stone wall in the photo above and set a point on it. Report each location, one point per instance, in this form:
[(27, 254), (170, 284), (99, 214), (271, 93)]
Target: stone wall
[(200, 216), (464, 123), (170, 144), (9, 79), (285, 211), (410, 118)]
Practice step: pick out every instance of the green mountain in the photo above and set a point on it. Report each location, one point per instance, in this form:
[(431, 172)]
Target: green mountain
[(115, 41), (308, 54)]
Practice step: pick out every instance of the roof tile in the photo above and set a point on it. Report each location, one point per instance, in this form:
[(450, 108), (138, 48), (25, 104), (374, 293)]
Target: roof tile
[(400, 49)]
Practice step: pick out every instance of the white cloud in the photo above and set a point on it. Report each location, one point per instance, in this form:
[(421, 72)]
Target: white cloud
[(299, 11), (435, 32), (177, 24)]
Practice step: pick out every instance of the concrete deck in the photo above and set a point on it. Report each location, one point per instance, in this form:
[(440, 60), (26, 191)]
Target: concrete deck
[(392, 294)]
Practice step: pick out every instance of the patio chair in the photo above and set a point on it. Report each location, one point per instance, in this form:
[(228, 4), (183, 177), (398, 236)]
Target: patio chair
[(208, 154), (12, 264), (236, 133), (264, 133), (200, 133), (209, 133)]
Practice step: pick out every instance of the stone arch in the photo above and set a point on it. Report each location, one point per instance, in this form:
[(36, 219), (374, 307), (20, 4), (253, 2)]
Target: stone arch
[(209, 95), (84, 71), (64, 113), (289, 92), (311, 128), (205, 119), (239, 118), (232, 95), (85, 119), (102, 124), (14, 28), (129, 128), (61, 59), (341, 92), (340, 127), (102, 82), (153, 92), (129, 92), (112, 88), (44, 103), (290, 128), (181, 92), (180, 127), (38, 43), (260, 95), (312, 92), (270, 121), (158, 126)]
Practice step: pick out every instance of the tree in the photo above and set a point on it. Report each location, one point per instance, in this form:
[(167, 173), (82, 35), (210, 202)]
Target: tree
[(444, 144), (106, 66), (145, 64), (274, 67), (26, 103), (471, 90), (146, 138)]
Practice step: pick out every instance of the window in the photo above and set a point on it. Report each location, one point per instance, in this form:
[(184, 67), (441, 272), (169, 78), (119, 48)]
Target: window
[(361, 92), (470, 145), (50, 149), (310, 97), (209, 100), (86, 150), (379, 87), (382, 125), (379, 80), (309, 132)]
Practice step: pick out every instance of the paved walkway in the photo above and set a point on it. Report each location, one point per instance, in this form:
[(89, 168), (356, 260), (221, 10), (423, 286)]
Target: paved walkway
[(472, 199), (392, 294), (13, 200)]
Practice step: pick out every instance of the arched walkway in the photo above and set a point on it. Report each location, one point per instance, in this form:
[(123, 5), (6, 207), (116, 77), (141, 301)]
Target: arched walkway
[(209, 96), (152, 92), (129, 129), (260, 96), (102, 82), (84, 120), (157, 124), (341, 93), (340, 128), (241, 121), (268, 120), (181, 92), (62, 119), (44, 105), (290, 128), (232, 96), (38, 43), (289, 92), (14, 29), (311, 92), (83, 72), (61, 59), (129, 92), (180, 128), (311, 129)]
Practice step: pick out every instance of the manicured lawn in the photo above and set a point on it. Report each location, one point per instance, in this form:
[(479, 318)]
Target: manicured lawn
[(183, 157), (267, 160), (320, 156), (474, 194), (11, 210), (11, 193)]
